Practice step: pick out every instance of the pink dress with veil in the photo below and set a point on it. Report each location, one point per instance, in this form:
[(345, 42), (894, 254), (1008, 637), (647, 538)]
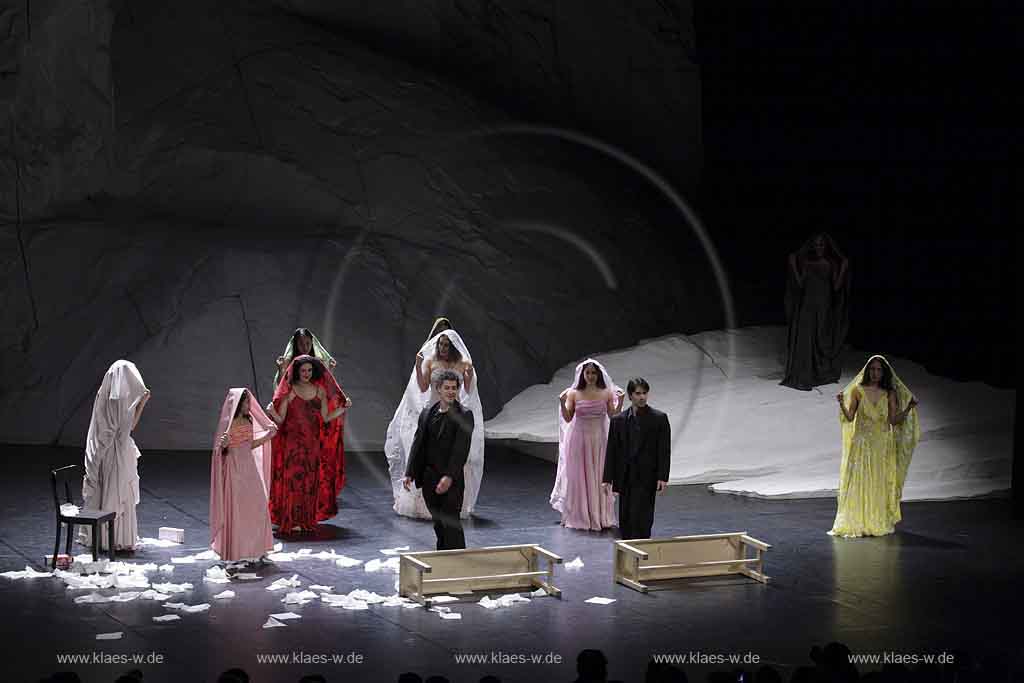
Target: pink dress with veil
[(582, 443), (239, 478)]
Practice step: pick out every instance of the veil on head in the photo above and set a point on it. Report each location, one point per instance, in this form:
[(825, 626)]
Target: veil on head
[(318, 350), (429, 348), (906, 434), (437, 323), (326, 380)]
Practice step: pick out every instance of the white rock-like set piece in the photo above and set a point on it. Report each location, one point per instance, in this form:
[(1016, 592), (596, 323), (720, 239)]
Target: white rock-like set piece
[(735, 427)]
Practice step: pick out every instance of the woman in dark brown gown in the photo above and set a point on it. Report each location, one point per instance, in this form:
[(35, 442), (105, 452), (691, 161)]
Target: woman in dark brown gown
[(817, 310)]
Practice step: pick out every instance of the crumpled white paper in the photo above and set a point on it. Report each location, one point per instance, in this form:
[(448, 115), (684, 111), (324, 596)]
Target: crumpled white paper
[(389, 565), (343, 561), (116, 635), (272, 623), (91, 598), (125, 597), (281, 584), (208, 555), (575, 564), (159, 543), (216, 574), (299, 598), (343, 601), (27, 573), (441, 599), (446, 612), (318, 587), (394, 551), (167, 617), (503, 601), (223, 595), (189, 609), (172, 587), (247, 576), (70, 510), (166, 568), (153, 595)]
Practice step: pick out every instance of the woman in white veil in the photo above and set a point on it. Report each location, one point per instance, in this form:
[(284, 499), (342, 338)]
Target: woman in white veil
[(585, 409), (111, 481), (402, 428)]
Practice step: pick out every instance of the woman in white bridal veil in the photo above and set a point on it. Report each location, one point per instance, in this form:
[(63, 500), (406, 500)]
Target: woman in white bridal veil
[(445, 349)]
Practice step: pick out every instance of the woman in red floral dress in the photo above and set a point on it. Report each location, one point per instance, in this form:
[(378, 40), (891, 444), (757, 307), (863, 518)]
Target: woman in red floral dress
[(300, 408)]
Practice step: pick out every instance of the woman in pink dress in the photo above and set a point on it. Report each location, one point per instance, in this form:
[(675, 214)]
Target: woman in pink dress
[(239, 480), (586, 407), (302, 409)]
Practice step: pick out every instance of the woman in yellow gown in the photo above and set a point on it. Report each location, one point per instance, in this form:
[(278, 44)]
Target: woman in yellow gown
[(880, 431)]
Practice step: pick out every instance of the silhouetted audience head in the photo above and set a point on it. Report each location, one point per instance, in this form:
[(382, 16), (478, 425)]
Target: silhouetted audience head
[(233, 676), (312, 678), (437, 679), (410, 677), (767, 674), (63, 677), (133, 676), (591, 665), (490, 679), (664, 673)]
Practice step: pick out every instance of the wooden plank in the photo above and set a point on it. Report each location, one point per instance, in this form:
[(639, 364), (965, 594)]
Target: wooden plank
[(709, 563), (622, 545), (486, 577), (760, 545)]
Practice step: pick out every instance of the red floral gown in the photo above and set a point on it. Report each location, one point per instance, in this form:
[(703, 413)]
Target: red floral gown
[(332, 465), (295, 481)]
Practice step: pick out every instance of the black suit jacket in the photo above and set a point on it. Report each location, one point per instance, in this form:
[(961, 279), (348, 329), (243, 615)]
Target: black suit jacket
[(653, 448), (456, 460)]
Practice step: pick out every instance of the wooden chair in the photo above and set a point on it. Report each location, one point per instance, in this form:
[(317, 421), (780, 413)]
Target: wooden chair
[(90, 518)]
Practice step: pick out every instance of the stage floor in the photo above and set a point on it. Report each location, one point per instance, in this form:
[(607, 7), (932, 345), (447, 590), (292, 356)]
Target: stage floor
[(947, 580)]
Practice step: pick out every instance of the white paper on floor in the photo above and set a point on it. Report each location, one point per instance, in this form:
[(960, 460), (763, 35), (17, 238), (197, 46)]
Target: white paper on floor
[(153, 595), (172, 587), (575, 564), (281, 584), (441, 599), (398, 601), (208, 555), (318, 587), (284, 616), (278, 547), (27, 573), (158, 543), (539, 593), (272, 623), (116, 635), (343, 601), (366, 596), (91, 598), (389, 565), (216, 574), (189, 609), (69, 509), (394, 551), (299, 598), (502, 601), (166, 568), (188, 559), (167, 617), (712, 383), (600, 601), (343, 561), (125, 597), (247, 576), (223, 595), (131, 581)]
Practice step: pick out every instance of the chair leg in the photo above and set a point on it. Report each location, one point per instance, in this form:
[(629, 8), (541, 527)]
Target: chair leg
[(71, 533), (95, 542), (56, 545), (110, 538)]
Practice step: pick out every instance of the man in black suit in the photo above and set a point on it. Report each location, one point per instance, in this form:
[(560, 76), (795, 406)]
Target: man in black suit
[(438, 456), (636, 463)]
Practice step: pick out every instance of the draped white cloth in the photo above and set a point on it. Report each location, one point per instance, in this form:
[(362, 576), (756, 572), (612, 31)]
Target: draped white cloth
[(111, 481), (402, 429)]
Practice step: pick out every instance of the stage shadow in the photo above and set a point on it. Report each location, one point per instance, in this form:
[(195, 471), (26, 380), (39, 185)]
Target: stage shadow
[(909, 540), (323, 532)]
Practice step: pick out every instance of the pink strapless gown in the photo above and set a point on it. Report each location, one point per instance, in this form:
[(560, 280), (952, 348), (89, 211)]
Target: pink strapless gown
[(247, 533), (585, 506)]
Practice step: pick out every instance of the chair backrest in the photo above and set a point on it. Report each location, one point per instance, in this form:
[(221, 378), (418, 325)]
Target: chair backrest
[(63, 475)]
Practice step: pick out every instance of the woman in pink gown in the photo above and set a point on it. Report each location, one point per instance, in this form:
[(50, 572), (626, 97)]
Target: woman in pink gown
[(586, 407), (240, 478)]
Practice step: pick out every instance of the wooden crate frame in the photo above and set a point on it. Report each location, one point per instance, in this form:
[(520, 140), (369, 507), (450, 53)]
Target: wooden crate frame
[(655, 559), (502, 567)]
